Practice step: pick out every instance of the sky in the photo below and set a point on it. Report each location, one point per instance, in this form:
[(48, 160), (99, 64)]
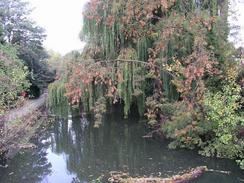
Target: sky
[(62, 20), (238, 10)]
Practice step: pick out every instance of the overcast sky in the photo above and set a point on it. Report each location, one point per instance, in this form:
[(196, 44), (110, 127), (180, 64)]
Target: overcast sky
[(238, 10), (62, 20)]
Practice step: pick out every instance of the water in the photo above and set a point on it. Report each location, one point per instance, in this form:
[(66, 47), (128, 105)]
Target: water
[(74, 149)]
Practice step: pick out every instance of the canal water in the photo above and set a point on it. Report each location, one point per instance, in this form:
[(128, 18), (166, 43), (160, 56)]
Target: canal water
[(73, 149)]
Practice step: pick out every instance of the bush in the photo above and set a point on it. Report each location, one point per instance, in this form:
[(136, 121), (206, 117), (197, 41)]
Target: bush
[(214, 127), (185, 127), (13, 78), (222, 111)]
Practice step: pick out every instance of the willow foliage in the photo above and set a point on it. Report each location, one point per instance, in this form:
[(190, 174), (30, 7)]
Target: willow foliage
[(155, 33), (57, 100)]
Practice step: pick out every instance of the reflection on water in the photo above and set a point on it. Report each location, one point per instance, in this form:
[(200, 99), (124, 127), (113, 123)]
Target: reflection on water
[(73, 148)]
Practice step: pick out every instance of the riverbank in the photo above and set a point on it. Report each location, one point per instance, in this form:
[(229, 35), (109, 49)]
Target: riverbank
[(27, 108), (20, 125)]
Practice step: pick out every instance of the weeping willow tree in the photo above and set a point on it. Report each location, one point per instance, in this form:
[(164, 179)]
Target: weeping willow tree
[(168, 58), (57, 99), (132, 48)]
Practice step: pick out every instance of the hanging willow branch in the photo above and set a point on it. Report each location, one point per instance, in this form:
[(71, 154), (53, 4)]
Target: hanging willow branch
[(97, 62)]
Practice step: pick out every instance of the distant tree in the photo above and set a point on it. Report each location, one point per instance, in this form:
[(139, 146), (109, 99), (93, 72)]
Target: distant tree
[(18, 29), (55, 60)]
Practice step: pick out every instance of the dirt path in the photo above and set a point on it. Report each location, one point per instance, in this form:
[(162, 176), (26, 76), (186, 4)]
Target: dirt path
[(29, 107)]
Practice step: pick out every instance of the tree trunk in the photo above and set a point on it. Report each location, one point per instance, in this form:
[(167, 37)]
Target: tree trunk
[(118, 177)]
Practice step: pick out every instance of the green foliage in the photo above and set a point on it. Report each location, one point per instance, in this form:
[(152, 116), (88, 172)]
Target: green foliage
[(13, 78), (185, 127), (97, 180), (56, 62), (140, 101), (213, 127), (222, 111), (17, 28), (240, 80), (240, 163), (131, 88), (57, 101)]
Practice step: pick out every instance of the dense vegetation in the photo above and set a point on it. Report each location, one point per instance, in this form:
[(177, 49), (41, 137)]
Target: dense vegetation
[(22, 56), (13, 76), (171, 60)]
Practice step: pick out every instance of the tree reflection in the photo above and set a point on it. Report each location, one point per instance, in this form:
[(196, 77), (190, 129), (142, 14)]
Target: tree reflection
[(118, 145), (27, 167)]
